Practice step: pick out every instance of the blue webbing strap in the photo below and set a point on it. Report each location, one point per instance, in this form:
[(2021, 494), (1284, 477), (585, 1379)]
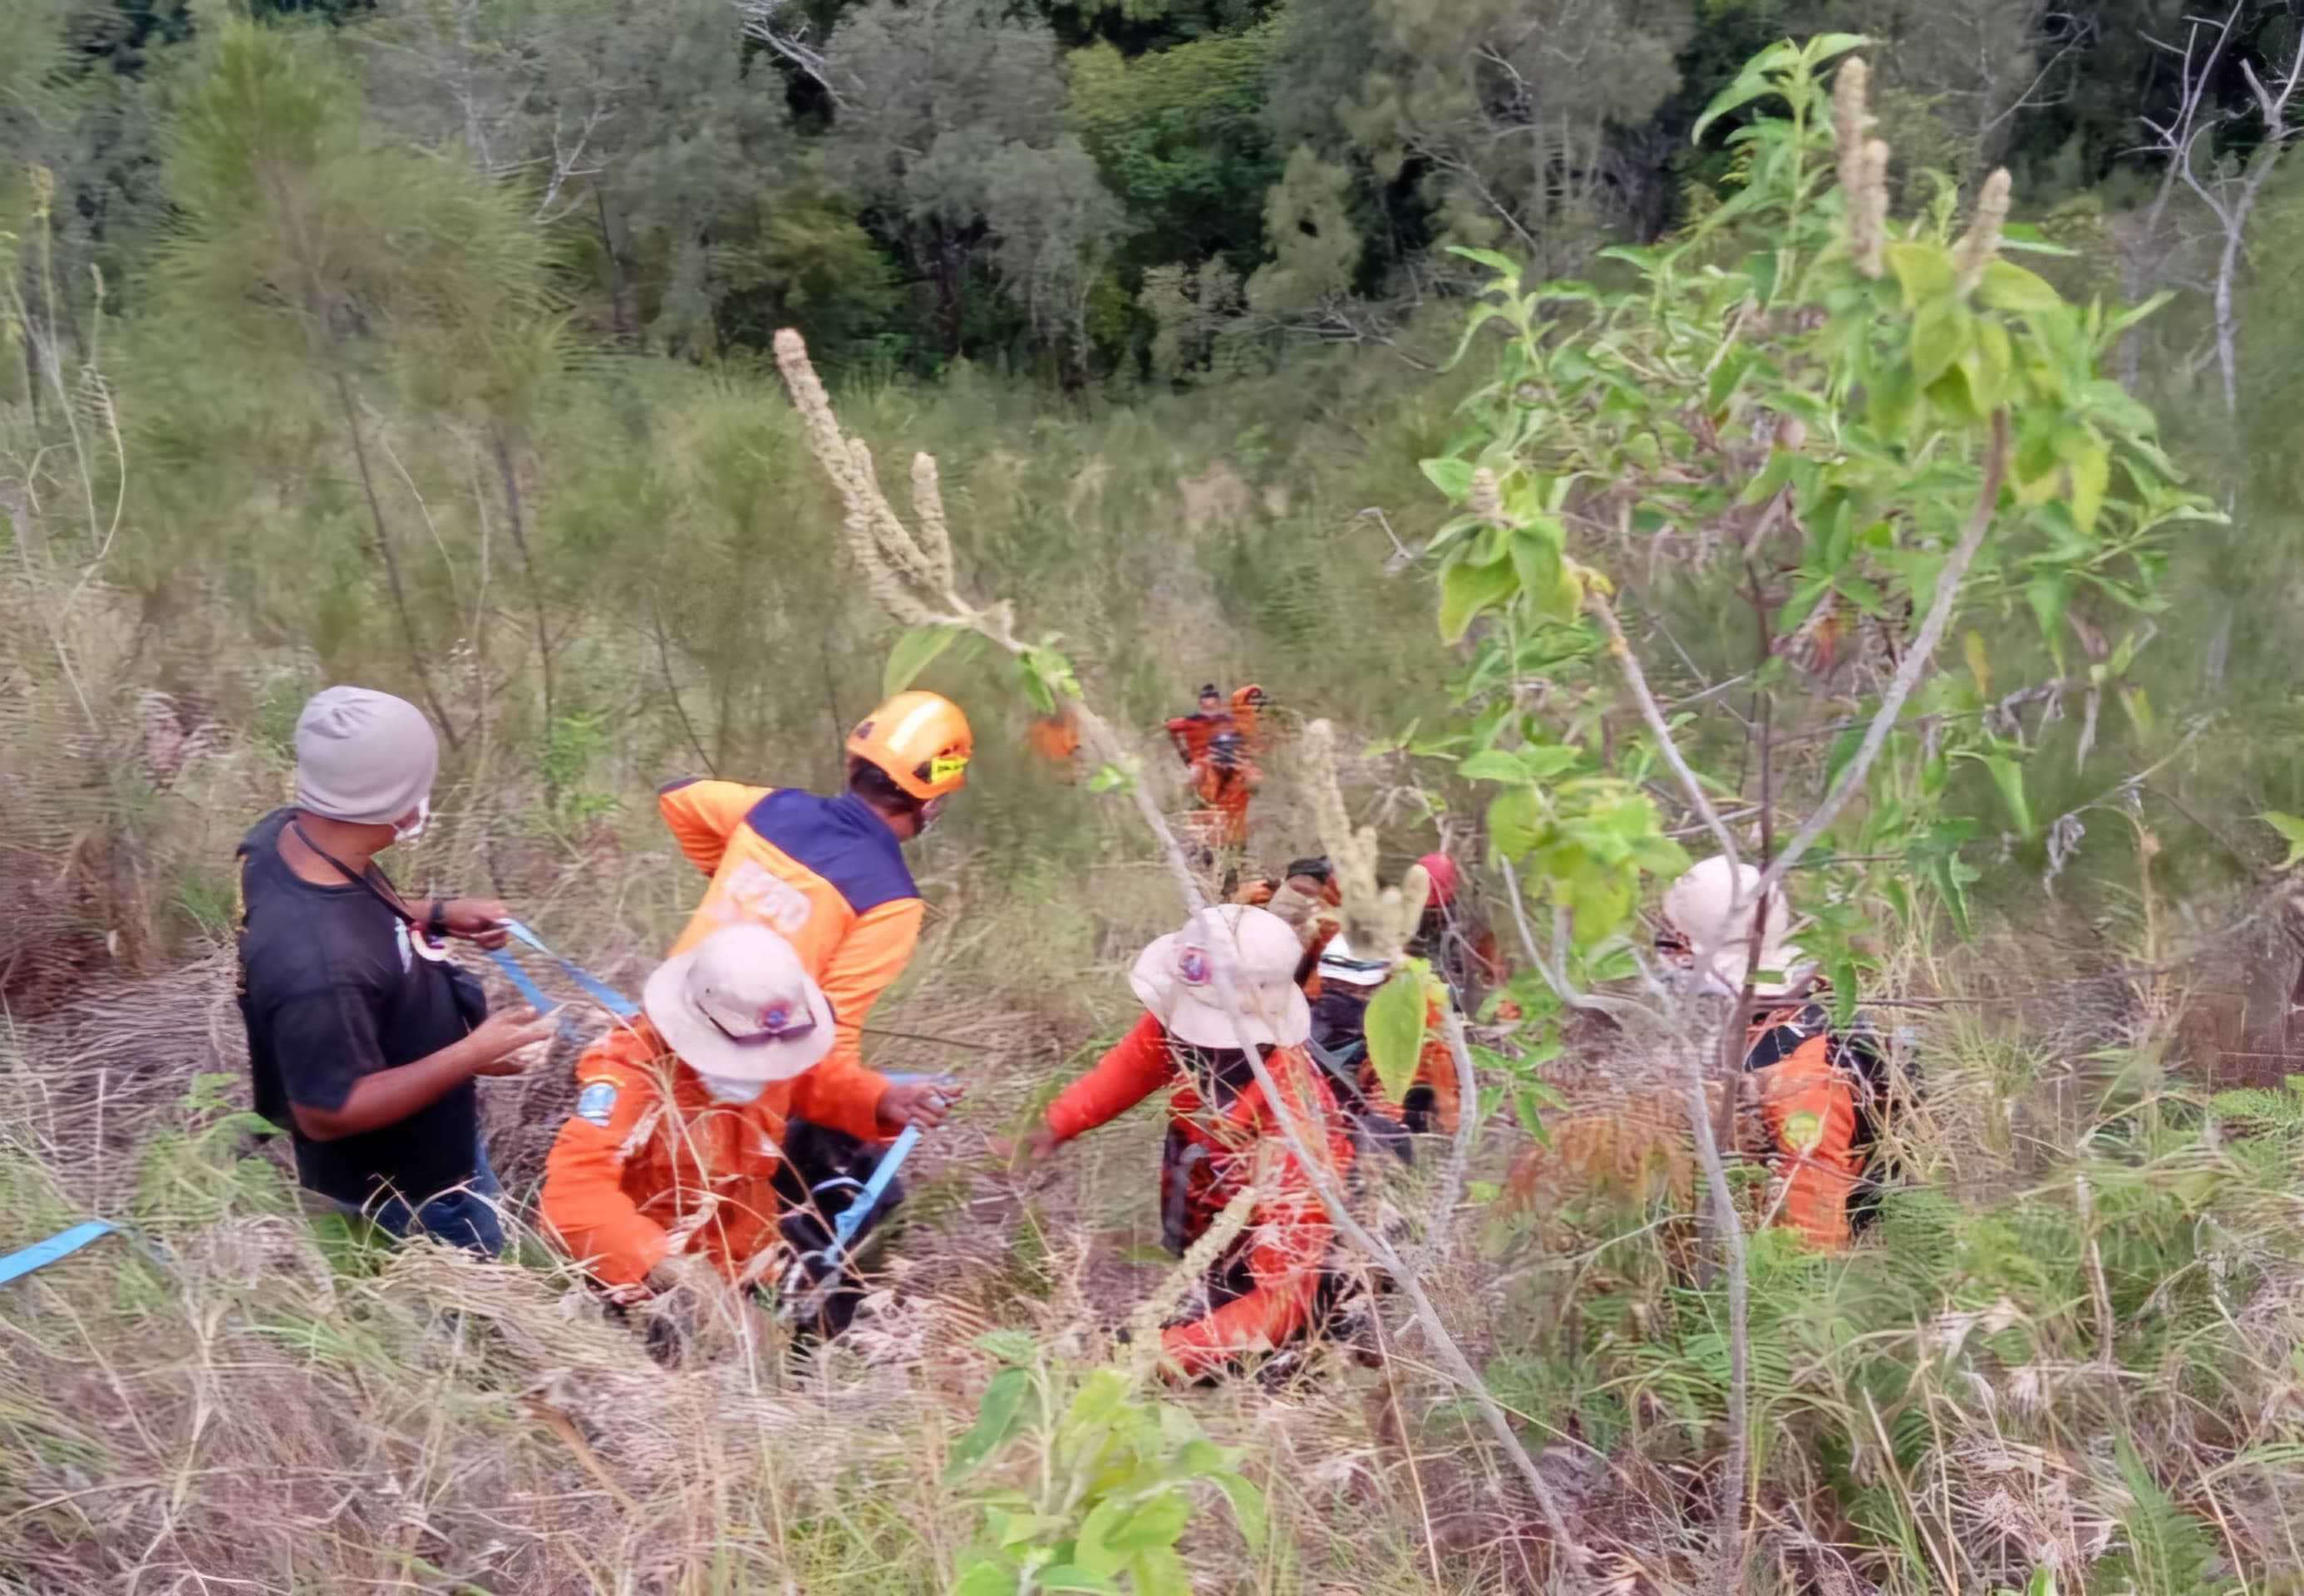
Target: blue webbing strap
[(598, 991), (40, 1254)]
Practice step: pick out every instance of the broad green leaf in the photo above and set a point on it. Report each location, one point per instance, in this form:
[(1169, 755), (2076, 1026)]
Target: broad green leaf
[(914, 652), (1772, 476), (1742, 92), (1009, 1346), (1979, 663), (1395, 1029), (1924, 270), (1160, 1572), (1450, 476), (2048, 594), (1941, 334), (986, 1579), (1072, 1576), (1824, 46), (1493, 764), (2008, 776), (1529, 1104), (1117, 1529), (1246, 1506), (2289, 828), (1466, 589), (1504, 265), (2091, 467), (2007, 286), (996, 1420), (1513, 818)]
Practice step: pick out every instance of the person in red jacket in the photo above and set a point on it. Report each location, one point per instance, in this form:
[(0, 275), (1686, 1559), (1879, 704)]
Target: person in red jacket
[(1191, 733), (828, 874), (1272, 1285), (675, 1143)]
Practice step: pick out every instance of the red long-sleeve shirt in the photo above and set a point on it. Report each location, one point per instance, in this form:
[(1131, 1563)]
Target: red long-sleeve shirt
[(1289, 1233)]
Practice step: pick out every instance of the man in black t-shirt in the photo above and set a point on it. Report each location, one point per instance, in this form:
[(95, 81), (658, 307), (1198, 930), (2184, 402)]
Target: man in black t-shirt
[(363, 1040)]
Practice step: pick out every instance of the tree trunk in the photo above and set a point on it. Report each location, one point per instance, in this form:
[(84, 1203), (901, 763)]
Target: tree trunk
[(516, 516), (391, 561)]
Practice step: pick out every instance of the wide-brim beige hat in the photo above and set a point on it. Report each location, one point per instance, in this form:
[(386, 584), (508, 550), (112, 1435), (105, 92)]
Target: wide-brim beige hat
[(740, 1005), (1701, 906), (1176, 979)]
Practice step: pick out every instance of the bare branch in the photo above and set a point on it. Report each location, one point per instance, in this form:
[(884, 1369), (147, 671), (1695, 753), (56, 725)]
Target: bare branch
[(1652, 714)]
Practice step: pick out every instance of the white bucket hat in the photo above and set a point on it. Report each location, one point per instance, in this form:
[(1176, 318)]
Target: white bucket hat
[(740, 1005), (1176, 979), (1339, 963), (1701, 906)]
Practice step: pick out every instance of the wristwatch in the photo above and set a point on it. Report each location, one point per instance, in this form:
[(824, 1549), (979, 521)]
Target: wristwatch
[(435, 923)]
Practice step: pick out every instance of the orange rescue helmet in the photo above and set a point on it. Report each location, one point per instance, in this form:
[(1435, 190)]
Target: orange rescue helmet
[(920, 740)]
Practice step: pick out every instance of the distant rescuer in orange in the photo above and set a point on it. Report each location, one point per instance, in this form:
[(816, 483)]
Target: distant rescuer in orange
[(1222, 780), (1818, 1091), (1056, 739), (1248, 705), (1271, 1285), (828, 874), (673, 1151), (1191, 734)]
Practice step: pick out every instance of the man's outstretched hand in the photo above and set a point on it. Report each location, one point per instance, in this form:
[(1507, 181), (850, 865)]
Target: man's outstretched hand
[(919, 1105)]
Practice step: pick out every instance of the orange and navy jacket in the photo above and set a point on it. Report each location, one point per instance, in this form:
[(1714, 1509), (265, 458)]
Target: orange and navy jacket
[(650, 1165), (825, 873), (1812, 1087), (1286, 1244)]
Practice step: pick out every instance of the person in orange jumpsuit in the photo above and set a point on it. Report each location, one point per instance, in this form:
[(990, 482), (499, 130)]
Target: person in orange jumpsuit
[(675, 1149), (828, 874), (1056, 739), (1818, 1089), (1191, 734), (1247, 707), (1272, 1285), (1222, 781)]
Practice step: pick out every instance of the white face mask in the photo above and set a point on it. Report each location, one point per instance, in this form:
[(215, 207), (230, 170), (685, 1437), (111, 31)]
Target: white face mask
[(725, 1090), (408, 831)]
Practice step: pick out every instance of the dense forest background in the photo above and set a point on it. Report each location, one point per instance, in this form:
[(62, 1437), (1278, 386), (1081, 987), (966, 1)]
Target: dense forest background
[(1097, 194)]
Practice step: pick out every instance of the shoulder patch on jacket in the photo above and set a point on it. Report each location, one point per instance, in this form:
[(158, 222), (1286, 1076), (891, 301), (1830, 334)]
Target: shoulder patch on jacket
[(597, 1103), (841, 840)]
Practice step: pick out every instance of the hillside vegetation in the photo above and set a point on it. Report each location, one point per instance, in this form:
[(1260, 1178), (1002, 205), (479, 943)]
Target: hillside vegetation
[(1630, 434)]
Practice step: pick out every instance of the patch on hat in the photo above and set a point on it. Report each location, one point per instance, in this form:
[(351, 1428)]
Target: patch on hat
[(945, 766), (597, 1103)]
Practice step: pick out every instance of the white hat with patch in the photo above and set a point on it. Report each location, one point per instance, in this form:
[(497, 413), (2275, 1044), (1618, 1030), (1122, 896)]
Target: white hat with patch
[(1176, 979), (740, 1005)]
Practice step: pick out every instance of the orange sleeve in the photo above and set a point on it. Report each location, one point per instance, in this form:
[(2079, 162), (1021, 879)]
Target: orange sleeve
[(1292, 1235), (1139, 1066), (842, 1095), (585, 1207), (704, 814), (873, 953)]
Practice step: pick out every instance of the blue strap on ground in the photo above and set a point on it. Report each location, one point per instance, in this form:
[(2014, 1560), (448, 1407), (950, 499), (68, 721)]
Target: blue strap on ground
[(40, 1254)]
